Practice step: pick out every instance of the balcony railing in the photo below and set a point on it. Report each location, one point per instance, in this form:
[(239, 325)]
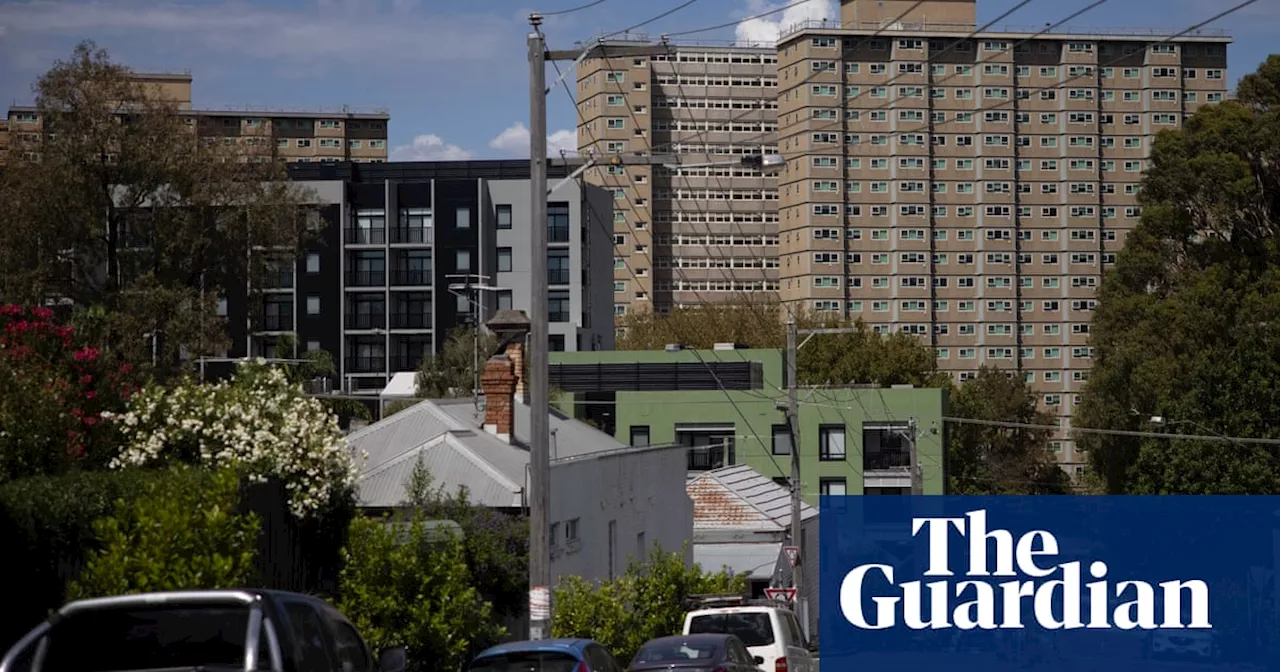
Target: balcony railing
[(366, 364), (276, 323), (405, 363), (558, 234), (706, 458), (277, 280), (366, 321), (366, 278), (410, 321), (361, 236), (405, 234), (886, 460), (558, 276), (410, 278)]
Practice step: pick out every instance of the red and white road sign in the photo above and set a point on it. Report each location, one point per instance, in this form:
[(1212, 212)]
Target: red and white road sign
[(793, 554), (786, 594)]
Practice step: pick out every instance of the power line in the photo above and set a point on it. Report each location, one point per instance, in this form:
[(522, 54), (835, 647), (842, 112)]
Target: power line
[(1116, 432), (571, 10), (739, 21), (642, 24)]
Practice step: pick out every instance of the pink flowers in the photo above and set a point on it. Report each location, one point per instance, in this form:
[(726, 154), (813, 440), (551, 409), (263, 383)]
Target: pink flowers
[(86, 354)]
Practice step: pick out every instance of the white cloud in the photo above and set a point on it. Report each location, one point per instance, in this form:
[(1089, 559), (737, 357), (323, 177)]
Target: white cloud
[(430, 148), (515, 140), (370, 32), (765, 31)]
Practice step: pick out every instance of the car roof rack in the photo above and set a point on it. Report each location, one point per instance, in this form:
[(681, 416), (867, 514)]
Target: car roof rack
[(719, 600)]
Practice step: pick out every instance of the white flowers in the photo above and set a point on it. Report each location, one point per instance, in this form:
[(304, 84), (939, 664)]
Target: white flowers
[(258, 421)]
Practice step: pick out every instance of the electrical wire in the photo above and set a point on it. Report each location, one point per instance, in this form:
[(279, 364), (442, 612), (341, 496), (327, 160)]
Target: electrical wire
[(1119, 432), (642, 24), (739, 21), (571, 10)]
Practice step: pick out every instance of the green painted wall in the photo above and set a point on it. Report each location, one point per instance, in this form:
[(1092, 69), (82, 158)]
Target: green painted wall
[(754, 414)]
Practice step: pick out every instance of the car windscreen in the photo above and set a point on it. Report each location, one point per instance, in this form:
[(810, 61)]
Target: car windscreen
[(525, 661), (149, 638), (678, 651), (753, 628)]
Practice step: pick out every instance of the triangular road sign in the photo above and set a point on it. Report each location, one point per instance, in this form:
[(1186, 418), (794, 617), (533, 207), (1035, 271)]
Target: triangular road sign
[(786, 594), (793, 554)]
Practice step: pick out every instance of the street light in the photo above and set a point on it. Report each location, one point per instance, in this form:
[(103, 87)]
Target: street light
[(1162, 421)]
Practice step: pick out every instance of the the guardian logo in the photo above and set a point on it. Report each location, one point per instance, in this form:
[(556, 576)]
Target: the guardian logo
[(972, 604)]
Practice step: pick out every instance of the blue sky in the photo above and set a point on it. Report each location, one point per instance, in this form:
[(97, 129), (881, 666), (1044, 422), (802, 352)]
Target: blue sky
[(453, 73)]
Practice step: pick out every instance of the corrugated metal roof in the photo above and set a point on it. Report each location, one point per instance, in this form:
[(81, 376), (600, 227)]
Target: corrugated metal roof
[(757, 560), (741, 497), (459, 453)]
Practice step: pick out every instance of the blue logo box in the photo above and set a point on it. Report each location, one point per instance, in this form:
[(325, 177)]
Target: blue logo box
[(1049, 583)]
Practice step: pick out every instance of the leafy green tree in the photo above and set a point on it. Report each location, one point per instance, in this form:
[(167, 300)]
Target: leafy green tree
[(174, 537), (495, 544), (451, 374), (1184, 326), (319, 364), (127, 210), (859, 357), (412, 588), (647, 601), (991, 460)]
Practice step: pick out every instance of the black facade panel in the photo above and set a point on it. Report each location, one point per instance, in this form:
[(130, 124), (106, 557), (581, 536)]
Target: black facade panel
[(324, 328), (451, 240), (413, 194), (657, 377)]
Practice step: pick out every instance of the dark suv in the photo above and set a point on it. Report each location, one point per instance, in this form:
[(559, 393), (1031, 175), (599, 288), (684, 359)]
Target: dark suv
[(209, 630)]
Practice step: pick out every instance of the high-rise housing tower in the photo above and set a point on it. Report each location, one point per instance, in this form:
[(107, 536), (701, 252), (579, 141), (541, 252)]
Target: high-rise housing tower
[(694, 234), (299, 135), (973, 189)]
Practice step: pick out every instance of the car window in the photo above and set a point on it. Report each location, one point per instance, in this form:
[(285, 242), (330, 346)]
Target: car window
[(309, 632), (797, 634), (600, 660), (525, 661), (753, 628), (677, 651), (352, 655), (148, 638), (738, 652)]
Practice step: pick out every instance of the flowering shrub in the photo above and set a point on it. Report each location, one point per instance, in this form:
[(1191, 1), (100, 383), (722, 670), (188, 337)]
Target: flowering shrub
[(258, 422), (53, 394)]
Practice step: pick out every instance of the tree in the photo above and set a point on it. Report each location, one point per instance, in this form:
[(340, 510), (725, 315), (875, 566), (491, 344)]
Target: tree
[(1184, 326), (319, 364), (495, 544), (647, 601), (53, 394), (860, 357), (451, 374), (991, 460), (258, 421), (412, 588), (174, 537), (127, 210)]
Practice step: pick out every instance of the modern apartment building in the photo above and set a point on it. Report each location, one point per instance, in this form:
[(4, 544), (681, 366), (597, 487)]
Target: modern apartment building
[(972, 191), (383, 281), (694, 234), (301, 136)]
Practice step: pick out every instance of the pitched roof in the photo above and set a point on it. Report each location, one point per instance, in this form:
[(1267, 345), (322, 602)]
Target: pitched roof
[(739, 497), (445, 436)]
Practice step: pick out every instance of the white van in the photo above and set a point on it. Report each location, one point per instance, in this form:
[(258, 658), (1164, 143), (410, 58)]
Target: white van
[(769, 630)]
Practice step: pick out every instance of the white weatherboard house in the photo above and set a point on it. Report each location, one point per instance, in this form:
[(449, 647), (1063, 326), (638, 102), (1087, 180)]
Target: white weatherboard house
[(609, 501), (742, 521)]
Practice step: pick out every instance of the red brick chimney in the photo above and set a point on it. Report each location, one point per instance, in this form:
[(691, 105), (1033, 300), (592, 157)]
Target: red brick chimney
[(498, 380), (515, 351)]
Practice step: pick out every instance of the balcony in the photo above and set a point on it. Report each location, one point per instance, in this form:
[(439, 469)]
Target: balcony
[(275, 323), (364, 236), (706, 458), (366, 278), (410, 321), (374, 320), (366, 364), (411, 278), (405, 363), (277, 279), (411, 235), (886, 460)]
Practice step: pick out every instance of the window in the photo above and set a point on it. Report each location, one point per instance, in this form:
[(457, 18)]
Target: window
[(558, 222), (558, 305), (504, 217), (754, 629), (313, 305), (504, 300), (462, 260), (462, 218), (831, 443), (504, 260), (313, 263), (350, 648), (558, 270), (832, 486), (640, 436), (781, 440)]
